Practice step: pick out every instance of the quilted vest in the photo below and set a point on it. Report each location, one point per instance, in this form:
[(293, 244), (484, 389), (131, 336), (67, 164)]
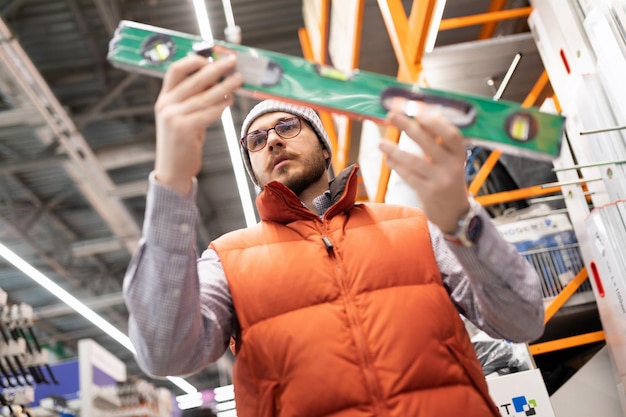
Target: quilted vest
[(345, 315)]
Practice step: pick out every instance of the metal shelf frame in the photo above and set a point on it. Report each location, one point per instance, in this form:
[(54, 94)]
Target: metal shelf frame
[(408, 35)]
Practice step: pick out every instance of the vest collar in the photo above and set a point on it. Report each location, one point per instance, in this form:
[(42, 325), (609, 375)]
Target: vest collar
[(278, 203)]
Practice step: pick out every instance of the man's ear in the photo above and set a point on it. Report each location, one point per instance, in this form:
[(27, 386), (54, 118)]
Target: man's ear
[(325, 153)]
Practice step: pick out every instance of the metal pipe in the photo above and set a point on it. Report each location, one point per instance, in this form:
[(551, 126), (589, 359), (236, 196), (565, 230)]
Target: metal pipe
[(507, 76), (608, 129), (595, 164), (552, 198), (561, 184)]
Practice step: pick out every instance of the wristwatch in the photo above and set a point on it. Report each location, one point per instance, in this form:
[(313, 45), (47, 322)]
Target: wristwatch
[(469, 227)]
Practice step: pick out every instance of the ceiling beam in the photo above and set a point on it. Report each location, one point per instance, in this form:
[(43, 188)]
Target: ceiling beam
[(115, 92), (126, 155), (95, 246), (56, 223), (43, 255), (109, 13), (87, 34), (71, 338), (83, 166), (57, 267), (84, 119), (11, 7), (94, 303), (32, 164), (132, 189), (25, 115)]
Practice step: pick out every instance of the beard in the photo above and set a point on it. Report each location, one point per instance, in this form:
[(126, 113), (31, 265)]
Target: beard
[(315, 167)]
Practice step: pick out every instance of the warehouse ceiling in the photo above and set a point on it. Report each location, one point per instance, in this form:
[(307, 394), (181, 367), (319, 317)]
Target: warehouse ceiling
[(77, 139)]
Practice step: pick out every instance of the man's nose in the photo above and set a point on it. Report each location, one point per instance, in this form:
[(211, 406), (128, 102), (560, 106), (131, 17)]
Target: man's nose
[(273, 139)]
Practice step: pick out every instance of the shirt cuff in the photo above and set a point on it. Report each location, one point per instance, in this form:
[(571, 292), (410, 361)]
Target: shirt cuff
[(170, 218)]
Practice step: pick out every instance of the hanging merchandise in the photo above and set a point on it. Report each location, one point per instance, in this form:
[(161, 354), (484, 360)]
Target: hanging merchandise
[(359, 94), (547, 240), (21, 359), (55, 405)]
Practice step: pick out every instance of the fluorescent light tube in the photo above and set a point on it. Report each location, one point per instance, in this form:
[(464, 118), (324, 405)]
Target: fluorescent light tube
[(435, 21), (41, 279)]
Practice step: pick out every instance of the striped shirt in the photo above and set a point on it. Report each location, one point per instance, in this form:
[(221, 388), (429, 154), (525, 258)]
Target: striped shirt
[(181, 310)]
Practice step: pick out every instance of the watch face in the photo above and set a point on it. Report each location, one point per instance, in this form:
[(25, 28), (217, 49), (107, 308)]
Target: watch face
[(474, 227)]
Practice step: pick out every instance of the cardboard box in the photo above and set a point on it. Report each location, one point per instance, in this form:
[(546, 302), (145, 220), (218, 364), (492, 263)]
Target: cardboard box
[(521, 394)]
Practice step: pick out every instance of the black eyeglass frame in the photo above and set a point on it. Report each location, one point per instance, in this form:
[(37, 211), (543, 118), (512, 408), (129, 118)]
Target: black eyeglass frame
[(244, 143)]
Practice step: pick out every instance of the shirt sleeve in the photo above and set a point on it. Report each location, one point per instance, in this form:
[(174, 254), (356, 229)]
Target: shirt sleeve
[(180, 306), (491, 284)]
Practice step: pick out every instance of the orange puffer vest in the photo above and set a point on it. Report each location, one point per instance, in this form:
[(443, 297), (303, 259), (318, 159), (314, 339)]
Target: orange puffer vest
[(346, 315)]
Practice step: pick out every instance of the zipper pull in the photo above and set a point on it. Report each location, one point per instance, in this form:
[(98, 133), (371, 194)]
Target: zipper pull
[(328, 243)]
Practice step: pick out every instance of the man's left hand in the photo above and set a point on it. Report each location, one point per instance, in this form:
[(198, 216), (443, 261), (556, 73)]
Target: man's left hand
[(437, 176)]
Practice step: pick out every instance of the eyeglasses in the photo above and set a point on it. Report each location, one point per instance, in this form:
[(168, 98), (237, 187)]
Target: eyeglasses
[(285, 128)]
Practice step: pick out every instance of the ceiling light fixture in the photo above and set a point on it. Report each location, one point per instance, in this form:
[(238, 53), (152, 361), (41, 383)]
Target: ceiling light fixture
[(228, 13), (202, 16), (183, 384), (435, 21), (187, 401), (232, 141), (241, 176), (66, 297), (41, 279)]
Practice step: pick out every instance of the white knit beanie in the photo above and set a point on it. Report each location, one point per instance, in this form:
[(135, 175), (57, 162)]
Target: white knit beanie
[(271, 106)]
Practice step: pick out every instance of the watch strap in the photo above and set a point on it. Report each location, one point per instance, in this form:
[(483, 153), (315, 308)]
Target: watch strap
[(469, 227)]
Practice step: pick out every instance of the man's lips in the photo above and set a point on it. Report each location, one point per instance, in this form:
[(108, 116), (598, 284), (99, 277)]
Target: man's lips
[(279, 161)]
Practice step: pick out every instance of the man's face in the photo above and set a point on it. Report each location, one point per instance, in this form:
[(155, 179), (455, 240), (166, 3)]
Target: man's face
[(297, 162)]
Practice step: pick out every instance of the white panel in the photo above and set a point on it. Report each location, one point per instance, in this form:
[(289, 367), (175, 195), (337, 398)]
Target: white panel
[(590, 392), (564, 17), (608, 268), (342, 33), (467, 67), (91, 354), (370, 158), (591, 111), (312, 20), (611, 62), (549, 41), (398, 191)]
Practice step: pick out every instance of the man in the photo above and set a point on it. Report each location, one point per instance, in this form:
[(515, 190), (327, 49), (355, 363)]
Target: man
[(336, 308)]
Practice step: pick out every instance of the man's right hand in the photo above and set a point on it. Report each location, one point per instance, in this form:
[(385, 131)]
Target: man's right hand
[(192, 98)]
